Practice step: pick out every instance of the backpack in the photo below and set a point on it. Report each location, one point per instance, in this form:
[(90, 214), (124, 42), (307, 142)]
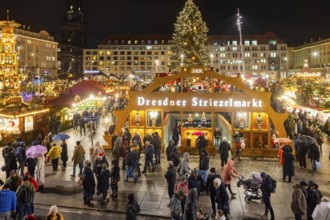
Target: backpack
[(26, 195), (20, 154), (176, 210), (273, 189)]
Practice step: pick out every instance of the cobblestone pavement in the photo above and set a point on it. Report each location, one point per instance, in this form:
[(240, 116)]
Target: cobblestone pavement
[(151, 188)]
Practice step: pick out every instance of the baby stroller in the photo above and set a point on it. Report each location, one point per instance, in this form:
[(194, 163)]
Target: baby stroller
[(251, 186)]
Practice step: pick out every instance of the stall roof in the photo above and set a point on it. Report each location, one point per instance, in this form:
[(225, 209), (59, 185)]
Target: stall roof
[(84, 89)]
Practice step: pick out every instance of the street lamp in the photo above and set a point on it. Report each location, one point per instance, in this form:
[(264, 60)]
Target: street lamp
[(239, 26), (91, 97)]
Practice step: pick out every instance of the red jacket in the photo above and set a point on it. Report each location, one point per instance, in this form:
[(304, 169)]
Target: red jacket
[(34, 183)]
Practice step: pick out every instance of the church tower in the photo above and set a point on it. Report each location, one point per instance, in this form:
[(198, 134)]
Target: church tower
[(73, 40)]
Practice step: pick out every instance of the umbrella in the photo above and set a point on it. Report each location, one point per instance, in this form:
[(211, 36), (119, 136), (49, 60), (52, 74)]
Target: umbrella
[(36, 151), (307, 139), (60, 137), (198, 133), (282, 140)]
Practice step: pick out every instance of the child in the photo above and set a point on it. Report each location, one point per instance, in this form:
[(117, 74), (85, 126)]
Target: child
[(220, 215), (115, 177)]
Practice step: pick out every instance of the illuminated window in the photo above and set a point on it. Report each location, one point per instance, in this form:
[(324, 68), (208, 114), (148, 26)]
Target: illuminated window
[(255, 67), (235, 42), (247, 55), (129, 42), (222, 49), (247, 43), (234, 48), (254, 42), (222, 54), (273, 54)]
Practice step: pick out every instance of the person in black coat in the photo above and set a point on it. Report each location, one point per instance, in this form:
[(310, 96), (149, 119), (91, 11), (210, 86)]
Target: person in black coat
[(170, 177), (204, 164), (313, 197), (112, 128), (211, 189), (266, 189), (115, 177), (175, 157), (176, 135), (314, 155), (104, 182), (97, 168), (224, 149), (195, 181), (88, 183), (221, 196), (31, 164), (10, 162), (301, 153), (64, 154), (288, 165), (169, 150), (133, 208), (201, 143)]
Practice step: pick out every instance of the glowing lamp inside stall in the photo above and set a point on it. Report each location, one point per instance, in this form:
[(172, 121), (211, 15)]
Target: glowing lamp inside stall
[(153, 116)]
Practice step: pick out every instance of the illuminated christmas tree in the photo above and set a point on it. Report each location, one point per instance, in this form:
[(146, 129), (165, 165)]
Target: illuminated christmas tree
[(9, 76), (189, 38)]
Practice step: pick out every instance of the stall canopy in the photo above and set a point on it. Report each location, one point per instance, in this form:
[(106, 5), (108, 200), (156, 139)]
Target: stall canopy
[(83, 89)]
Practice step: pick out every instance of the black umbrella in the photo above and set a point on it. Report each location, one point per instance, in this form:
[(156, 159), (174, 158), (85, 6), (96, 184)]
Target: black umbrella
[(307, 139)]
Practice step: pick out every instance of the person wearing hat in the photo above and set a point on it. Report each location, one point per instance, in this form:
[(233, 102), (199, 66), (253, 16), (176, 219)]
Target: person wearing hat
[(266, 189), (97, 168), (78, 158), (313, 197), (54, 154), (23, 207), (54, 214), (88, 183), (221, 197), (210, 188), (133, 207), (104, 182), (298, 202), (96, 151)]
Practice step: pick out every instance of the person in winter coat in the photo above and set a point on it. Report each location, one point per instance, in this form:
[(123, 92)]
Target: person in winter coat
[(136, 151), (130, 162), (7, 202), (64, 154), (182, 185), (104, 183), (31, 164), (204, 164), (224, 149), (229, 171), (210, 188), (169, 150), (133, 208), (54, 214), (195, 181), (54, 154), (202, 215), (314, 155), (302, 149), (266, 190), (170, 177), (21, 156), (88, 183), (288, 165), (322, 210), (14, 180), (149, 152), (238, 145), (184, 167), (40, 172), (96, 151), (10, 162), (156, 142), (201, 143), (313, 197), (176, 135), (97, 168), (177, 205), (24, 208), (78, 158), (116, 149), (190, 208), (175, 157), (221, 198), (298, 202), (115, 177)]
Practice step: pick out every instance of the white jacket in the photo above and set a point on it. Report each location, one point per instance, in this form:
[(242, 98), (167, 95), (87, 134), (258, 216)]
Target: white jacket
[(322, 211), (39, 173)]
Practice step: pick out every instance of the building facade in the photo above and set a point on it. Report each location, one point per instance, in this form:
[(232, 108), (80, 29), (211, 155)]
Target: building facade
[(123, 54), (37, 53), (315, 54)]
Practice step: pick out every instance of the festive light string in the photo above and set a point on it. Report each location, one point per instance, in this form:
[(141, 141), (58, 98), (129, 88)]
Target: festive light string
[(25, 114)]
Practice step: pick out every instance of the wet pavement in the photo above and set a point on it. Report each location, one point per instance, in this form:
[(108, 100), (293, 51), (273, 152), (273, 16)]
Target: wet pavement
[(151, 188)]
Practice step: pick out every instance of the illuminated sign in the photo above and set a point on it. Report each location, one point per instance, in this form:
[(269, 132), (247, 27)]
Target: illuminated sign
[(197, 71), (199, 102), (306, 74)]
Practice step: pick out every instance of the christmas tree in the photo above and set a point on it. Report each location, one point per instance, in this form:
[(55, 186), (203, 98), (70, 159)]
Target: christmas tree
[(189, 38)]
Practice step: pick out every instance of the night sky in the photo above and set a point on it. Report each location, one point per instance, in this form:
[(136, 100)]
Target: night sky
[(295, 21)]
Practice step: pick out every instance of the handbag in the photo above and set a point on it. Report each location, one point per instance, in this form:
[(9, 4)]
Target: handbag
[(317, 165), (80, 180)]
